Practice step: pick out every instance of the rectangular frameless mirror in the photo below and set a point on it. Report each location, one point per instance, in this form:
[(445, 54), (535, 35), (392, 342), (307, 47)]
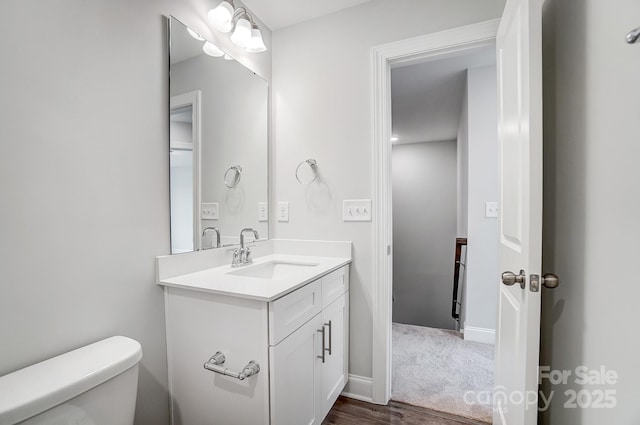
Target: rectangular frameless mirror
[(218, 146)]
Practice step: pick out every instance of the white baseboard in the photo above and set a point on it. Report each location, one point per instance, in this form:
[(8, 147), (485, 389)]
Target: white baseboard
[(484, 335), (359, 388)]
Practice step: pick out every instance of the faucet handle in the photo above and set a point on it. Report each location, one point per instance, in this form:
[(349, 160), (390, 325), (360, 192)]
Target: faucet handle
[(236, 257), (247, 255)]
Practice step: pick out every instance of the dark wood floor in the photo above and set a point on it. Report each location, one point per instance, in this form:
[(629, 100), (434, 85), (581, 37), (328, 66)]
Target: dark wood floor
[(348, 411)]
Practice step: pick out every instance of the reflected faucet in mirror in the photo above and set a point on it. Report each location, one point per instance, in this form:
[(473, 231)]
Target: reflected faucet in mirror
[(242, 255), (213, 229)]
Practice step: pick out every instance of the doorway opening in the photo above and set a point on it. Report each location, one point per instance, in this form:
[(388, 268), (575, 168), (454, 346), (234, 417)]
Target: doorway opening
[(444, 183), (432, 47), (184, 165)]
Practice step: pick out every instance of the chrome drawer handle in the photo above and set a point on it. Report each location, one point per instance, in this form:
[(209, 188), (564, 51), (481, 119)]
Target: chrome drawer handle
[(330, 337), (323, 347)]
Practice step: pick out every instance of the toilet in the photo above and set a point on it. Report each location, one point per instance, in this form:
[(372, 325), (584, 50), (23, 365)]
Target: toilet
[(93, 385)]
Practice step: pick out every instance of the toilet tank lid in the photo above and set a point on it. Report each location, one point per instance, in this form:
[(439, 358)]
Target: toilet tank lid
[(34, 389)]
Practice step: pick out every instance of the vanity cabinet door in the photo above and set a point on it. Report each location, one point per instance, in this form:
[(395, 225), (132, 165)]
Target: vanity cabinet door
[(335, 318), (295, 376)]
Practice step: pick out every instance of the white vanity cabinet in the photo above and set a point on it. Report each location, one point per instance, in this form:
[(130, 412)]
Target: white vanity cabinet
[(309, 366), (284, 336)]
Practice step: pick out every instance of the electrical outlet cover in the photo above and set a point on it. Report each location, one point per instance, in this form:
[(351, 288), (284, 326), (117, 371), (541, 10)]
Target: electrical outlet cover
[(283, 211), (210, 211), (356, 210), (263, 211), (491, 210)]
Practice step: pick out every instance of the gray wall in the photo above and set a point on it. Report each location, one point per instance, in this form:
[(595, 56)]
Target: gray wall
[(592, 201), (462, 225), (84, 178), (322, 110), (481, 286), (462, 150), (424, 232)]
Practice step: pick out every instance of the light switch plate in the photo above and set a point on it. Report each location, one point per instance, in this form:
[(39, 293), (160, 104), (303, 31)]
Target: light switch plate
[(491, 210), (283, 211), (263, 211), (210, 211), (356, 210)]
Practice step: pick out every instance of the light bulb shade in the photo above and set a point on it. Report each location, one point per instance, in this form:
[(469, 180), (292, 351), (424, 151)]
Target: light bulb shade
[(256, 44), (195, 35), (227, 57), (221, 16), (212, 50), (242, 34)]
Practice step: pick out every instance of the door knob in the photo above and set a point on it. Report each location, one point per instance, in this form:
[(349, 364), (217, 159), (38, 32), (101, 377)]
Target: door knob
[(548, 280), (510, 278)]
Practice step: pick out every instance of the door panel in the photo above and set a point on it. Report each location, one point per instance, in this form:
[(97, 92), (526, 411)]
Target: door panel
[(295, 377), (519, 53), (334, 370)]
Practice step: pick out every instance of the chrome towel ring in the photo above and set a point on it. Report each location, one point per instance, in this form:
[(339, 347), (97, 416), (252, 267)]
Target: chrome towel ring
[(633, 36), (232, 176), (307, 171)]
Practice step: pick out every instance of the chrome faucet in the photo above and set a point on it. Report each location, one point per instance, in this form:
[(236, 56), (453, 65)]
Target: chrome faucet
[(214, 229), (242, 255)]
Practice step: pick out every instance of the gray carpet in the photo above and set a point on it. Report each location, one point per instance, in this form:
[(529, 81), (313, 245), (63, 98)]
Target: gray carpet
[(434, 368)]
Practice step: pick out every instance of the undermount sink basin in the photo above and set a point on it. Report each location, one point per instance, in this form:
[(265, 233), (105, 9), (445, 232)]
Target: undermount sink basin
[(273, 269)]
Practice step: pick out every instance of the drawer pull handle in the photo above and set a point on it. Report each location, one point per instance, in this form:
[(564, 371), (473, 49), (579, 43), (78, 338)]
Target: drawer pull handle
[(217, 360), (323, 346), (330, 338)]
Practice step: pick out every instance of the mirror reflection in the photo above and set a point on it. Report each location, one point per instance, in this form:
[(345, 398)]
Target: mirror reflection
[(218, 146)]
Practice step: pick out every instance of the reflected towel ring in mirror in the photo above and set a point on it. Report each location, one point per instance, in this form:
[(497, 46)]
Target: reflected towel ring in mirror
[(307, 171), (232, 176)]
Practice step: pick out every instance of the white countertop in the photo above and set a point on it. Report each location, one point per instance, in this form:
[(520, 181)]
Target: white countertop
[(217, 280)]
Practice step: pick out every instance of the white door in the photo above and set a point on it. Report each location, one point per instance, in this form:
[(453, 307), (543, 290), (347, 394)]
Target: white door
[(519, 50), (295, 369), (334, 367)]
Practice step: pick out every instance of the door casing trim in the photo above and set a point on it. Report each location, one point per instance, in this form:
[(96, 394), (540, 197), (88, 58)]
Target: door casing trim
[(439, 45)]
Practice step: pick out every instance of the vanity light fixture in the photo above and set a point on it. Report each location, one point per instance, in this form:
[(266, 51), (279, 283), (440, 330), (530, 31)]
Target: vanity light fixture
[(208, 47), (195, 35), (246, 33), (221, 17), (242, 32), (256, 44), (212, 50), (394, 139)]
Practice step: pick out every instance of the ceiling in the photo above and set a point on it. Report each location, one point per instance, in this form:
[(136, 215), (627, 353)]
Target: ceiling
[(426, 98), (277, 14)]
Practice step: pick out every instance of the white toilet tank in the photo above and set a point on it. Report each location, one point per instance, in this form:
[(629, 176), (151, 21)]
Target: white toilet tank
[(93, 385)]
